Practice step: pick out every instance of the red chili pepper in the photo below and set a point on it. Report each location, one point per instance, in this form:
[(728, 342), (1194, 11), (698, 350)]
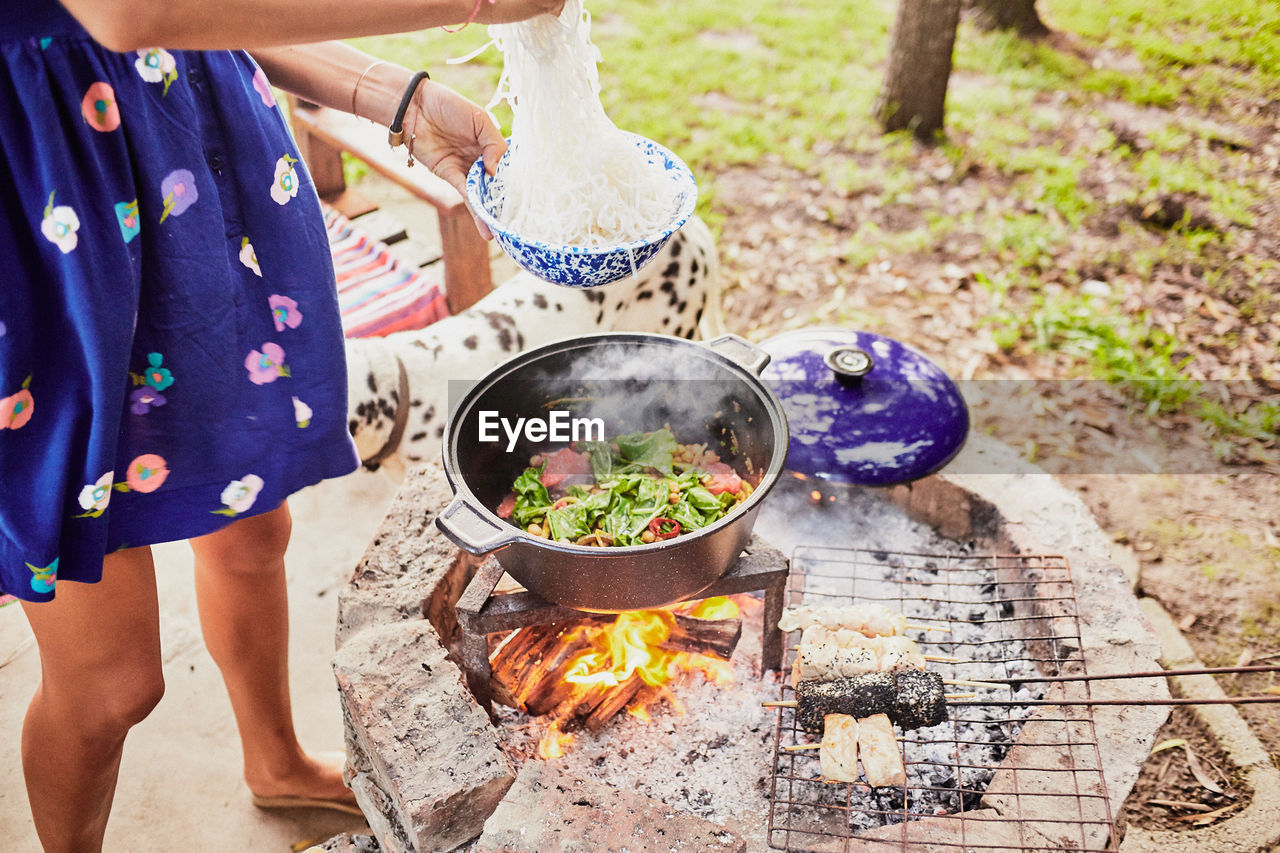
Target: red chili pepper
[(672, 528)]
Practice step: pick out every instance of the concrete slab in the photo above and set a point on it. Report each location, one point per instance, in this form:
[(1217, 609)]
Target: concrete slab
[(180, 785)]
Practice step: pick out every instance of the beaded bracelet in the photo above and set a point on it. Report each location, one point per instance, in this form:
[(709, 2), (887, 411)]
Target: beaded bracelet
[(474, 12)]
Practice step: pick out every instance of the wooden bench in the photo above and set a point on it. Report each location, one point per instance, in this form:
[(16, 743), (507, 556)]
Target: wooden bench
[(323, 134)]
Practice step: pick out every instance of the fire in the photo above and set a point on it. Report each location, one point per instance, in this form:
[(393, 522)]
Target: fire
[(719, 607), (718, 672), (640, 713), (626, 647), (554, 742), (630, 660)]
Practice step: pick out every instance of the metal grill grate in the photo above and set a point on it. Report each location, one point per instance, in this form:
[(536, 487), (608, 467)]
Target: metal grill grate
[(992, 777)]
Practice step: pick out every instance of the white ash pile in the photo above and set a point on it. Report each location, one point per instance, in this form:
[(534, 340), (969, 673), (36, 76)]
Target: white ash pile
[(849, 544), (712, 760), (950, 764)]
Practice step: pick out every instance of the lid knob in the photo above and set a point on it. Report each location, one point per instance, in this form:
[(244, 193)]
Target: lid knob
[(849, 363)]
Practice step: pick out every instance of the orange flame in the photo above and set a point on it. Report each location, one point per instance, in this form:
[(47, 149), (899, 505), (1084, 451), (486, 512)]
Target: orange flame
[(718, 607), (718, 672), (631, 647), (628, 646), (553, 743)]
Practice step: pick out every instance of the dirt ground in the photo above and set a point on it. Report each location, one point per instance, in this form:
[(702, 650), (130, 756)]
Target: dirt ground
[(1189, 783), (1201, 513)]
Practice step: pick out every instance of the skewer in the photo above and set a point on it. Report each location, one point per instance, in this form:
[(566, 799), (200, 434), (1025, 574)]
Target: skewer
[(791, 703), (960, 682), (946, 628), (1229, 700), (945, 659), (1157, 673)]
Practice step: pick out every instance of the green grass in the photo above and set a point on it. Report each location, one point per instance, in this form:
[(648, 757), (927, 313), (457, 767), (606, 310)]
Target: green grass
[(729, 84)]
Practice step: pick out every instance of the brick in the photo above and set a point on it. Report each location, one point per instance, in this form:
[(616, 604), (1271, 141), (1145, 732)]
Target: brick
[(408, 563), (347, 843), (424, 762)]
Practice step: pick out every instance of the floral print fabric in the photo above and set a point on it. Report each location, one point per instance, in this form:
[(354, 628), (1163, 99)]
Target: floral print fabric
[(171, 356)]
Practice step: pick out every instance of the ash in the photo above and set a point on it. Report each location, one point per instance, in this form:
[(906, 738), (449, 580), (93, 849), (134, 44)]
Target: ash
[(713, 760), (847, 544), (721, 759)]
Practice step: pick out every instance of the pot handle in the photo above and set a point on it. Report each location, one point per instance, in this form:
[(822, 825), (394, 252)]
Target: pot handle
[(740, 351), (471, 531)]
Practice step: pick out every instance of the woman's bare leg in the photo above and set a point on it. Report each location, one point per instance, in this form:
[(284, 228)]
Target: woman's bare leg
[(100, 673), (244, 614)]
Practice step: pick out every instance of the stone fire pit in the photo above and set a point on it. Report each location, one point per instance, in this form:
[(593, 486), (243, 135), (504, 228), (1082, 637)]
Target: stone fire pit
[(432, 772)]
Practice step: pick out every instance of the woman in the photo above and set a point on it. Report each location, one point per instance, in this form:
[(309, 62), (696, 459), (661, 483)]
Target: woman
[(170, 349)]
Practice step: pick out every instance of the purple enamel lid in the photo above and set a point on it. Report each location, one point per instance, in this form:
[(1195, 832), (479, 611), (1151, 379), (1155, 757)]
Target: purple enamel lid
[(863, 408)]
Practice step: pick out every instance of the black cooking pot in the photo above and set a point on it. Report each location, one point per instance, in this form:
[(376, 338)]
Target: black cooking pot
[(630, 382)]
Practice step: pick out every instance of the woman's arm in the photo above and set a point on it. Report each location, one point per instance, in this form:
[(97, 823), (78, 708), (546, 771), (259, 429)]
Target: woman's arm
[(203, 25), (447, 131), (326, 73)]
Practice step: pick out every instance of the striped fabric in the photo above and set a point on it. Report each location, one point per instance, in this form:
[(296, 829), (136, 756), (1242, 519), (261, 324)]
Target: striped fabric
[(377, 293)]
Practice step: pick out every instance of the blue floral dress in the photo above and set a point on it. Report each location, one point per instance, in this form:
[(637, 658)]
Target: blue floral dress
[(171, 355)]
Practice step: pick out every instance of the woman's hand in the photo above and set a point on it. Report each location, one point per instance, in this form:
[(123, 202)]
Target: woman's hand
[(506, 11), (447, 132)]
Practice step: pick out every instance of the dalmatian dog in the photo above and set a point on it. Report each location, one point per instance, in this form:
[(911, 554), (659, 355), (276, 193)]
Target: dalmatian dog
[(398, 397)]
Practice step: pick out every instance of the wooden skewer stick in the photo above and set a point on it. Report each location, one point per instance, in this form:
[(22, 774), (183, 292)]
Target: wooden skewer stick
[(946, 659), (801, 746), (946, 628), (1158, 673), (791, 703), (960, 682)]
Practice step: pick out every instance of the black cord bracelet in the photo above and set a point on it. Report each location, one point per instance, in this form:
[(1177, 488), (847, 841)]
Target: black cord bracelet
[(395, 133)]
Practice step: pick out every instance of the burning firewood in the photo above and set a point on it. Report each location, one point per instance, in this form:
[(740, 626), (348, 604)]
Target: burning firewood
[(567, 671)]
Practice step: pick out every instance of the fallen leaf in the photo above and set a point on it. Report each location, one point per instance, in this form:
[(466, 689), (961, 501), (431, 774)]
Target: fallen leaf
[(1180, 804), (1197, 770), (1208, 817), (1168, 744)]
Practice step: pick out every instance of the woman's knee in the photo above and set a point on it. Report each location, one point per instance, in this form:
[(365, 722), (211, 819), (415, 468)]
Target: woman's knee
[(106, 707), (247, 542)]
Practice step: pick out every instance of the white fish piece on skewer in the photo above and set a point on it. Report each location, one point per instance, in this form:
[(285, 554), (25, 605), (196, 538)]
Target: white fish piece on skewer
[(899, 653), (873, 620), (826, 654), (838, 756), (878, 749)]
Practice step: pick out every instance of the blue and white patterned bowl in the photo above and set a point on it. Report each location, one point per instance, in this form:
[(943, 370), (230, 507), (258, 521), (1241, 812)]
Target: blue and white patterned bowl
[(584, 266)]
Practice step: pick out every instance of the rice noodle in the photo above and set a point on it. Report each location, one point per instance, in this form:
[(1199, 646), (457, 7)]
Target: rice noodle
[(571, 177)]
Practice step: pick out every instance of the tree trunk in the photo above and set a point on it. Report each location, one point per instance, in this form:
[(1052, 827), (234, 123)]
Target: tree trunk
[(1017, 15), (915, 83)]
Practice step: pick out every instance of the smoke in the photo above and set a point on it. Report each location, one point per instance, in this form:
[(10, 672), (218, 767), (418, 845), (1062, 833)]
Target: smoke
[(640, 383)]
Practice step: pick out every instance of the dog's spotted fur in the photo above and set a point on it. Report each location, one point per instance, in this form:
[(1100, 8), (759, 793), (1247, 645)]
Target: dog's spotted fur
[(670, 295)]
